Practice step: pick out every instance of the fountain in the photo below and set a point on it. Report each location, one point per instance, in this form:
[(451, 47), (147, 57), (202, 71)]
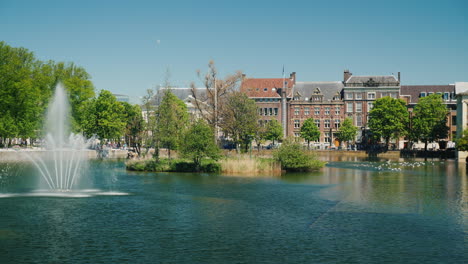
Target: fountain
[(62, 163)]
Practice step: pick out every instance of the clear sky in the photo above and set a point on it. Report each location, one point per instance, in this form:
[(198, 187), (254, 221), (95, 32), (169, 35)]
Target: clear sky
[(127, 45)]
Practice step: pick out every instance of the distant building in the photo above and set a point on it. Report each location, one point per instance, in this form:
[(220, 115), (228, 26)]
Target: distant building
[(413, 93), (122, 98)]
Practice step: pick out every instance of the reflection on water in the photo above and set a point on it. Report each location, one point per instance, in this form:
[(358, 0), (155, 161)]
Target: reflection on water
[(354, 211)]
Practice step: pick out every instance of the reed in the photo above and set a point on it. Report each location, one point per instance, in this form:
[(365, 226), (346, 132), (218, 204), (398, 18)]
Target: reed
[(244, 165)]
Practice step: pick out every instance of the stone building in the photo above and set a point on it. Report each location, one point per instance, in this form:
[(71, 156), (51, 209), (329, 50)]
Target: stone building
[(360, 93), (321, 101)]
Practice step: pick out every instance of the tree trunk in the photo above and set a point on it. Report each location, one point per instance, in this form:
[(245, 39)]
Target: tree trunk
[(308, 144)]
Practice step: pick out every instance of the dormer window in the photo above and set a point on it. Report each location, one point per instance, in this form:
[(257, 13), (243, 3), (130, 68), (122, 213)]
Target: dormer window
[(265, 89), (273, 89)]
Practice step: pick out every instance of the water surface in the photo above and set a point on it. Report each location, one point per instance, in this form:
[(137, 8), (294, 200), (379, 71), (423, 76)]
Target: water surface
[(351, 212)]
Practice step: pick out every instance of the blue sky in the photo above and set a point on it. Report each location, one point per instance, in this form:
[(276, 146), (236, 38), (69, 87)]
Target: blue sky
[(127, 46)]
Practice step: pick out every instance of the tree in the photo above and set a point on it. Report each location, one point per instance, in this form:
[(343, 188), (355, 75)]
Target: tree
[(274, 130), (134, 126), (310, 131), (104, 117), (462, 143), (347, 131), (388, 119), (239, 118), (429, 122), (260, 135), (198, 143), (211, 101), (172, 117), (293, 158)]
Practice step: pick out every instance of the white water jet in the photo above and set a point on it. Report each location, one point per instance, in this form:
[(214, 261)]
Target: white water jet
[(61, 165)]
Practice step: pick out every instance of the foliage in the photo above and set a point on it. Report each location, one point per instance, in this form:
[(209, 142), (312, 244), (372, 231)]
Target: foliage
[(274, 130), (104, 117), (429, 122), (198, 143), (388, 118), (347, 131), (165, 165), (134, 126), (293, 158), (310, 131), (26, 86), (260, 135), (239, 118), (462, 143), (171, 118)]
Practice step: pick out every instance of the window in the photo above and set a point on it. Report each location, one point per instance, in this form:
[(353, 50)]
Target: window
[(327, 110), (296, 111), (359, 121), (359, 107), (337, 123), (370, 105), (349, 107), (371, 96), (349, 96), (337, 110), (446, 96), (276, 111), (297, 134), (317, 111), (265, 89), (359, 96), (429, 93), (422, 94), (326, 123), (297, 123), (317, 123), (327, 137), (270, 111), (393, 95), (384, 94), (307, 111)]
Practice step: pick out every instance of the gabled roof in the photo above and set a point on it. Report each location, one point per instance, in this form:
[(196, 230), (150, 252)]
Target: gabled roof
[(265, 87), (328, 89), (386, 80), (413, 91)]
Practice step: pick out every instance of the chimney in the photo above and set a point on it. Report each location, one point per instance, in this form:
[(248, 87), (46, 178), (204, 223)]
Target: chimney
[(346, 75), (399, 78), (292, 76)]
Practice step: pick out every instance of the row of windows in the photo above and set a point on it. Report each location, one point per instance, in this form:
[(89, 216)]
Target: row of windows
[(327, 138), (370, 95), (326, 123), (446, 95), (268, 111), (317, 110), (357, 107), (267, 100)]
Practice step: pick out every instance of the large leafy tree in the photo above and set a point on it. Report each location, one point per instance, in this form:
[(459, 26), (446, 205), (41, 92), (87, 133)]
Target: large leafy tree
[(172, 117), (429, 122), (347, 131), (104, 117), (199, 143), (462, 143), (388, 119), (274, 130), (310, 131), (239, 118)]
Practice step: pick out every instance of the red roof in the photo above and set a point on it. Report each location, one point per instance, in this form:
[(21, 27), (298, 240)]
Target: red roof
[(256, 87)]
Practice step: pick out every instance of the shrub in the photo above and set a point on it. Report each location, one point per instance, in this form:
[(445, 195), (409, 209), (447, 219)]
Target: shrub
[(293, 158)]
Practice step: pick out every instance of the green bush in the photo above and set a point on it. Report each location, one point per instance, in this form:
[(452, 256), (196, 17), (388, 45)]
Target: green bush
[(210, 166), (175, 165), (293, 158)]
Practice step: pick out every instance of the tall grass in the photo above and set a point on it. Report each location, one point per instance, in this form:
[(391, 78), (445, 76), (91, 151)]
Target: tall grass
[(244, 165)]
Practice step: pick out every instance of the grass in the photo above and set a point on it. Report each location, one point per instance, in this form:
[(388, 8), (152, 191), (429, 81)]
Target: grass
[(243, 164)]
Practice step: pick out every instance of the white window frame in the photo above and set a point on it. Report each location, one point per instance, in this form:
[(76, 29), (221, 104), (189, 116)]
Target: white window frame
[(371, 95), (349, 107)]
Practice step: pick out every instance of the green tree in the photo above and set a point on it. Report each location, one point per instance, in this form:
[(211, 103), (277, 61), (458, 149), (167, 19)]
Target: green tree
[(429, 122), (104, 117), (293, 158), (274, 130), (239, 119), (388, 119), (134, 127), (310, 131), (347, 131), (198, 143), (462, 143), (172, 117), (260, 135)]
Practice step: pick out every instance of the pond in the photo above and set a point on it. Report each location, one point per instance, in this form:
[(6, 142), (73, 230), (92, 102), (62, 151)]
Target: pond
[(351, 212)]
